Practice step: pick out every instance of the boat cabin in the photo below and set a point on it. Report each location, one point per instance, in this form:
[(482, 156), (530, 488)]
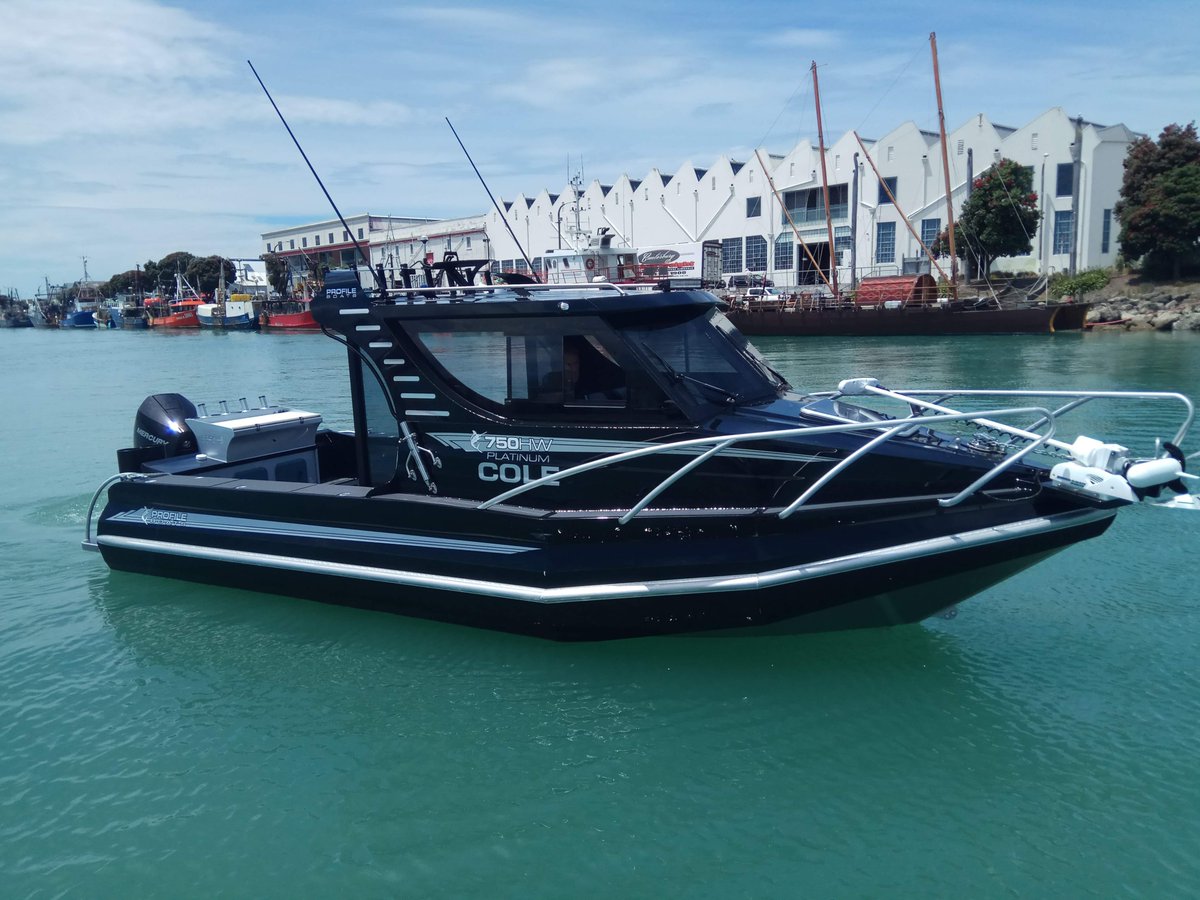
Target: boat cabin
[(596, 261), (507, 384)]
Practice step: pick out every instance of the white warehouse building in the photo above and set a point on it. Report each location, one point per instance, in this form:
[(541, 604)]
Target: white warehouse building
[(1077, 170)]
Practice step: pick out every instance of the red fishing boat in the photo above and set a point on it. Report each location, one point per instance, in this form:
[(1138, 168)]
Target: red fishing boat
[(173, 313), (180, 312), (292, 314)]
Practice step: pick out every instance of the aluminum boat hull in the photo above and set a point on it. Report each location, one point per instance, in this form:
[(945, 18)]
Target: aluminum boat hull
[(581, 576)]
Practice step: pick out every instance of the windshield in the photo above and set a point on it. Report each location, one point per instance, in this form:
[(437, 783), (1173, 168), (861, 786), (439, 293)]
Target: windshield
[(710, 359)]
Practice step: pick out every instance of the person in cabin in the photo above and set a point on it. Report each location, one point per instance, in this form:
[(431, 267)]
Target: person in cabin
[(587, 375)]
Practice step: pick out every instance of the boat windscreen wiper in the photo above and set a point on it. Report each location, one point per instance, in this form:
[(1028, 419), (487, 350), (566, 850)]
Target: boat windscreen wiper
[(677, 376)]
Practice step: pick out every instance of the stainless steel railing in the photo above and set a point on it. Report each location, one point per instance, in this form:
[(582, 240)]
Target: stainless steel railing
[(926, 413)]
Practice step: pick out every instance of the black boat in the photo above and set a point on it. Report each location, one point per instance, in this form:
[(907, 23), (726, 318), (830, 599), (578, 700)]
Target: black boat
[(596, 462)]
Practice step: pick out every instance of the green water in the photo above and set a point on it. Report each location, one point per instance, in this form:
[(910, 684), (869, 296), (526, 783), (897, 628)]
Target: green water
[(166, 739)]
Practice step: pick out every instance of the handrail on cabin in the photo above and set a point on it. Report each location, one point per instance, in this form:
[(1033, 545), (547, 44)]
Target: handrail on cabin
[(502, 288)]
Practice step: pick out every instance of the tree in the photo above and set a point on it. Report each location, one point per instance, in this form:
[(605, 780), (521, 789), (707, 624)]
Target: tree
[(204, 273), (125, 283), (1159, 209), (999, 219), (278, 273), (163, 272)]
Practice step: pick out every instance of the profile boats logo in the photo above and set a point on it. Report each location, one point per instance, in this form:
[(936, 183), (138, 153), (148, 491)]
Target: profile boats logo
[(658, 257)]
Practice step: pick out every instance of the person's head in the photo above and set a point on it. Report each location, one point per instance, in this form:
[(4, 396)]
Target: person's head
[(570, 364)]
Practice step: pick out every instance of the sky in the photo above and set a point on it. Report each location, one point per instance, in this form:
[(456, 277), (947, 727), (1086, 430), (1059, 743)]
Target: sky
[(130, 129)]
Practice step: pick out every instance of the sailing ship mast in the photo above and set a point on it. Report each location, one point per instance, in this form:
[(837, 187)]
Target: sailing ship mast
[(833, 284), (937, 84), (896, 203)]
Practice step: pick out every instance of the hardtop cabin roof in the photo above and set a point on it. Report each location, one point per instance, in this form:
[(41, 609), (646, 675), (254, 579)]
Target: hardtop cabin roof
[(344, 296)]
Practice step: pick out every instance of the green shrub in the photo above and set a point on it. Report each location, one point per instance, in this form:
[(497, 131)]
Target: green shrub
[(1062, 285)]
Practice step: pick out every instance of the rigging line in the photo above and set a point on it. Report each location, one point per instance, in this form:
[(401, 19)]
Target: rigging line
[(899, 72), (357, 246), (782, 109), (499, 212), (1016, 209)]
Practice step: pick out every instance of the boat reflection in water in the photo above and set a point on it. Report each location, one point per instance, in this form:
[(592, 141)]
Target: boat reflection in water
[(600, 462)]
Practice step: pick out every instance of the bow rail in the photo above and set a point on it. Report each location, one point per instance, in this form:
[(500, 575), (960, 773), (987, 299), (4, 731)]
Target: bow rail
[(1040, 433)]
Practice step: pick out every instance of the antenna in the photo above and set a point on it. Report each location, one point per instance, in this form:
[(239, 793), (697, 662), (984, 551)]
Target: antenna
[(524, 255), (366, 259)]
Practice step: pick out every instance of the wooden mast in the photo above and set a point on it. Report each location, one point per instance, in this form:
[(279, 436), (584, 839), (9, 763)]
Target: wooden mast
[(796, 231), (937, 84), (825, 186), (903, 215)]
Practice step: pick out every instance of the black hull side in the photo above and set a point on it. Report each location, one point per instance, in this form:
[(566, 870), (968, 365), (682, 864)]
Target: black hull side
[(892, 594), (913, 321), (578, 579)]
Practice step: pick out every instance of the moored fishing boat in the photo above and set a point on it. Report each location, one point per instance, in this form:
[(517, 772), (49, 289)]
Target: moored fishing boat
[(86, 304), (291, 314), (131, 313), (179, 311), (237, 313), (595, 462), (173, 313)]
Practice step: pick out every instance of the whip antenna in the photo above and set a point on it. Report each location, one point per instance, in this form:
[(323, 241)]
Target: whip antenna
[(499, 212), (357, 246)]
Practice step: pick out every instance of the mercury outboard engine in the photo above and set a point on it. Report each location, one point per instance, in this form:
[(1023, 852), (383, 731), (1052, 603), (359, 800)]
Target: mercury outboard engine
[(159, 431)]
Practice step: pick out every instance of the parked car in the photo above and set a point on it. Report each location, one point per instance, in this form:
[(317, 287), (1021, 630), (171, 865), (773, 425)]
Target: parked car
[(741, 282)]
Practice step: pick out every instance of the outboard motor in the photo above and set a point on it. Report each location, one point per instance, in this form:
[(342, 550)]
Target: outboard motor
[(159, 431)]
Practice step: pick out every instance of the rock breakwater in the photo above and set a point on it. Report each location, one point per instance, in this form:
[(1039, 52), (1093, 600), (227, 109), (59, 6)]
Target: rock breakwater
[(1146, 307)]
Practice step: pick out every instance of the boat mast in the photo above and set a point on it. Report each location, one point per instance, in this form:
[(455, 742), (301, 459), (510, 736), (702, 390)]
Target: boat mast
[(937, 84), (833, 282), (788, 215), (895, 203)]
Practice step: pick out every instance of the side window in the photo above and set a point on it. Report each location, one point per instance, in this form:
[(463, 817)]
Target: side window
[(577, 370), (478, 360), (518, 372)]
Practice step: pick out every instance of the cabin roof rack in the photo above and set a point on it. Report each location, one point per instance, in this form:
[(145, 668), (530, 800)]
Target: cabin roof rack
[(473, 293)]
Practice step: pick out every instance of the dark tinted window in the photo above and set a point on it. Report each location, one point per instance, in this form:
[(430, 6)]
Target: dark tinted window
[(1066, 174)]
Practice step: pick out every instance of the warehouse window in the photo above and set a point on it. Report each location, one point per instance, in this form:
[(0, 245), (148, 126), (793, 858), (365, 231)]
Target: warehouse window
[(885, 242), (1066, 173), (929, 231), (731, 255), (756, 253), (784, 252), (1064, 226)]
